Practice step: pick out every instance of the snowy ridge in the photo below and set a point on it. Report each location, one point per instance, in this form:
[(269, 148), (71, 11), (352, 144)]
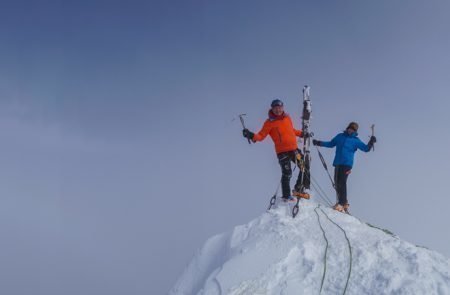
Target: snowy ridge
[(276, 254)]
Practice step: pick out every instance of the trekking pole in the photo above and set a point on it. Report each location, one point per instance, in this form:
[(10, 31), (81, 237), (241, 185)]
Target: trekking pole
[(373, 134), (243, 125)]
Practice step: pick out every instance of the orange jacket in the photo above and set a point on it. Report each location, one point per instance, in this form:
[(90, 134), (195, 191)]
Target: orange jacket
[(282, 132)]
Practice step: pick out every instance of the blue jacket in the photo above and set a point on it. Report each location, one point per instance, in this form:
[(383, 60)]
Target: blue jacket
[(346, 146)]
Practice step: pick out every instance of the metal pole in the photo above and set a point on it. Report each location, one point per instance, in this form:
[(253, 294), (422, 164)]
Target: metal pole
[(243, 125)]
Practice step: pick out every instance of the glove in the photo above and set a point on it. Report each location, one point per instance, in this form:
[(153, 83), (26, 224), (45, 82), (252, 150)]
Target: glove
[(317, 142), (247, 133), (306, 134), (372, 140)]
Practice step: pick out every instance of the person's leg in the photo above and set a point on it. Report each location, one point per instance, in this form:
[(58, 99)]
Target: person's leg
[(303, 181), (297, 160), (336, 180), (337, 184), (286, 173), (341, 176), (307, 177), (346, 170)]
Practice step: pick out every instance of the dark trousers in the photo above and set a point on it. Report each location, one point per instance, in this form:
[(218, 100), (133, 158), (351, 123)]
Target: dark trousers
[(285, 160), (340, 179)]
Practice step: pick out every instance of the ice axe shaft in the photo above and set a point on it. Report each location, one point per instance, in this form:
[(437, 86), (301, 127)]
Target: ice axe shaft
[(241, 117), (242, 120), (373, 134)]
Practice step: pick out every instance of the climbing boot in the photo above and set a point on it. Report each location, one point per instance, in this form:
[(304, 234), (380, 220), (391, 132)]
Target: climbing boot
[(339, 207), (288, 199), (346, 206), (300, 195)]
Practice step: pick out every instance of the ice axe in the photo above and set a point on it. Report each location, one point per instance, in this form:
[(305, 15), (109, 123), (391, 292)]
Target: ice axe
[(243, 125), (373, 134)]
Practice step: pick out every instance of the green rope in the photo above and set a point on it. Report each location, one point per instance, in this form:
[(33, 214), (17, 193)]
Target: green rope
[(322, 195), (326, 250), (349, 248), (386, 231)]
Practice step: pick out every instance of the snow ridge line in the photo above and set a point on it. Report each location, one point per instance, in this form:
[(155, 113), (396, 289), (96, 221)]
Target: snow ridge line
[(326, 250), (349, 248)]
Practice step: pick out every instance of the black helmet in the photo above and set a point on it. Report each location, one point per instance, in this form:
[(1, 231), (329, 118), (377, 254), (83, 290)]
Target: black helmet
[(276, 102)]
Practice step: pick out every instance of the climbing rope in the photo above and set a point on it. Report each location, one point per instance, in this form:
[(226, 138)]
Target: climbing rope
[(321, 196), (324, 164), (318, 188), (326, 250), (349, 248), (314, 183), (274, 197), (321, 192)]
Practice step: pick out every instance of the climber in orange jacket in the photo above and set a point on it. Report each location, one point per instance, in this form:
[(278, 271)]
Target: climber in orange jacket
[(283, 133)]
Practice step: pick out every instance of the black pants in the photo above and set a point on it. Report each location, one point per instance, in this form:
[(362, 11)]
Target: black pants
[(285, 160), (340, 179)]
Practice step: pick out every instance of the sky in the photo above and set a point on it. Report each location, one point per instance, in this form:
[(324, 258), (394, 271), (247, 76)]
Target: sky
[(120, 155)]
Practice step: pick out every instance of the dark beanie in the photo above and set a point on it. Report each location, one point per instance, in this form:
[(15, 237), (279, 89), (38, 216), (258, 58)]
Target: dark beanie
[(353, 125)]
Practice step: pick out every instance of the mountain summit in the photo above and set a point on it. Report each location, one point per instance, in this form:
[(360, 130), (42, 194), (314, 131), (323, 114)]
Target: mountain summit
[(321, 251)]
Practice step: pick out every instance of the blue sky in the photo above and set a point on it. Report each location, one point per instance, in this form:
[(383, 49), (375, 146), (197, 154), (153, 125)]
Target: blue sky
[(120, 156)]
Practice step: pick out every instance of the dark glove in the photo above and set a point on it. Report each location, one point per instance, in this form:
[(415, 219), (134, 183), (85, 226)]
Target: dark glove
[(306, 135), (247, 133), (372, 141), (317, 142)]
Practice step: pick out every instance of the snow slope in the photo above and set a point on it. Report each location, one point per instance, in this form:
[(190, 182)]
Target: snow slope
[(276, 254)]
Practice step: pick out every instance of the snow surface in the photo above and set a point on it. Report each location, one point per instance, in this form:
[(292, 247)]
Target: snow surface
[(276, 254)]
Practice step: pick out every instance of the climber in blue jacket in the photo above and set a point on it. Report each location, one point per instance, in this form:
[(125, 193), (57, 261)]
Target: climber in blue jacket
[(346, 143)]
